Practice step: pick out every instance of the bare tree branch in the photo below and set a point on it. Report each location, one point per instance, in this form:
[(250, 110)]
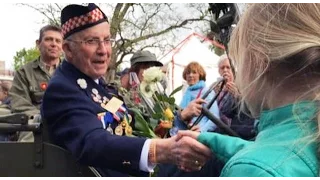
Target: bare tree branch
[(141, 25), (134, 41)]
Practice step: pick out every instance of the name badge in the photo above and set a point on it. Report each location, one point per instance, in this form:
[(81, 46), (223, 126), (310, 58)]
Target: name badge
[(113, 105)]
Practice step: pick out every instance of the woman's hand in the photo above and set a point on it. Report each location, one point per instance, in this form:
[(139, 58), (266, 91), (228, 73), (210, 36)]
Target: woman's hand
[(195, 128), (192, 110)]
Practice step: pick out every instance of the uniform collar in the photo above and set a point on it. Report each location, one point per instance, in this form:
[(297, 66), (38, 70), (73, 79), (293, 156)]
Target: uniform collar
[(38, 62)]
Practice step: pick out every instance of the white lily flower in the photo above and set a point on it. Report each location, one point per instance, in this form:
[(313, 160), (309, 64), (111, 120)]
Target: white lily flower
[(82, 83), (153, 75), (147, 89)]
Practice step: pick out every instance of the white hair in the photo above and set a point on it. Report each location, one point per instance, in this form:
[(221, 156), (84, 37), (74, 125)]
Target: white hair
[(222, 58)]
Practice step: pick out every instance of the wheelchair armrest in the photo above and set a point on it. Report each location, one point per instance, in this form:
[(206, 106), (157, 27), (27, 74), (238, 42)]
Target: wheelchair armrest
[(11, 128), (17, 118)]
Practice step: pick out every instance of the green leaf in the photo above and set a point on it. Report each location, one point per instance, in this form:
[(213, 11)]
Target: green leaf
[(157, 108), (141, 124), (171, 100), (157, 115), (142, 134), (154, 122), (176, 90), (24, 56)]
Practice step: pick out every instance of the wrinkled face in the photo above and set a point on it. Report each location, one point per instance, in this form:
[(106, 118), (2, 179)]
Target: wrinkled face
[(192, 77), (140, 74), (142, 69), (225, 70), (90, 50), (50, 45), (124, 80)]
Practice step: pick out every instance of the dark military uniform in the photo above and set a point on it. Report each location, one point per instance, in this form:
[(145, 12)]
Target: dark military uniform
[(71, 109)]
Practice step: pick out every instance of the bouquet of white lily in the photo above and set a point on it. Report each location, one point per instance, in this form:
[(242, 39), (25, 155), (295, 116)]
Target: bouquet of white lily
[(161, 107)]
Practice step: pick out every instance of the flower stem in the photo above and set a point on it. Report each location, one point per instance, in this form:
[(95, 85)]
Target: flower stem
[(157, 100)]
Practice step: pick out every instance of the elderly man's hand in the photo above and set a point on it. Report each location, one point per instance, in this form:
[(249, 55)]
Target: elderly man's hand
[(232, 88), (191, 155)]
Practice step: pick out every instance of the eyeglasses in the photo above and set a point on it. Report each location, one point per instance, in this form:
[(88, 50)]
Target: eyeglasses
[(94, 42)]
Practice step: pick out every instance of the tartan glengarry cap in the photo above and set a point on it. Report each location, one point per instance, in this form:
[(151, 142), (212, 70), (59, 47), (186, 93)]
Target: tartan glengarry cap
[(75, 18)]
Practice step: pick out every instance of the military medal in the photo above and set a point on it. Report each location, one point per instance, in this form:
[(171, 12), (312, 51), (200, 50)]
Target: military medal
[(95, 99), (128, 131), (124, 124), (99, 97), (119, 131), (95, 91), (109, 129), (95, 96), (105, 100), (127, 128)]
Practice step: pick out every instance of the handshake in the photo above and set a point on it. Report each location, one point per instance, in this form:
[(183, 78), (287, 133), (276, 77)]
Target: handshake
[(182, 150)]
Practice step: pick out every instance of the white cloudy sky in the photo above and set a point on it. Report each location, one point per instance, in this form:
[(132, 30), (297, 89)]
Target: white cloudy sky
[(19, 29)]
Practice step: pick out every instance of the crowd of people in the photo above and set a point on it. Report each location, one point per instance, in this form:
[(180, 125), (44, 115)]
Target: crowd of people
[(270, 101)]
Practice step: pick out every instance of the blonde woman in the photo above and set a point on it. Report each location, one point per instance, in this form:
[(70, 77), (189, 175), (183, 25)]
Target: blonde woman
[(277, 53)]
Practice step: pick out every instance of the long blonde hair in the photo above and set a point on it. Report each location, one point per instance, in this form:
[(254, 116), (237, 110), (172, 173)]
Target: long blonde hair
[(276, 48), (268, 36)]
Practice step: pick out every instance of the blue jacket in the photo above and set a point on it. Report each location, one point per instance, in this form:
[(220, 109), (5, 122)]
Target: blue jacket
[(71, 115), (192, 93)]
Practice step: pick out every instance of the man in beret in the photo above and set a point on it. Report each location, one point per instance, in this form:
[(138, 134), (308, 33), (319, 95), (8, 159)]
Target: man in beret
[(87, 117)]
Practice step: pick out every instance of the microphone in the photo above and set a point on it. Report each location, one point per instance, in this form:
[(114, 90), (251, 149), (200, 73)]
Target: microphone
[(205, 95), (212, 86)]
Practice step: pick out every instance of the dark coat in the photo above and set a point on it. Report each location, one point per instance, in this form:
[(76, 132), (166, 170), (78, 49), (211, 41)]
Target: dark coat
[(71, 117), (241, 123)]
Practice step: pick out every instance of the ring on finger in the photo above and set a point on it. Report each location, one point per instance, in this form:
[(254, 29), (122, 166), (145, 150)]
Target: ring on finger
[(196, 162)]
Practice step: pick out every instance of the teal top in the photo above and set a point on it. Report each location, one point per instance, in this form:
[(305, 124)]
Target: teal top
[(284, 146)]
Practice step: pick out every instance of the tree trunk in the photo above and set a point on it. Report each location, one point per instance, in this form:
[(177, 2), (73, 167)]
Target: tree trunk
[(110, 75)]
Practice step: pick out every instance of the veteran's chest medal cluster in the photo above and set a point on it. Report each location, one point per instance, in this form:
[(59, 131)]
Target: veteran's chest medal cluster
[(115, 110)]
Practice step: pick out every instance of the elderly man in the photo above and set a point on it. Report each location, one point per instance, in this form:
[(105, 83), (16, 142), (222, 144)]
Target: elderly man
[(31, 80), (87, 117), (140, 61), (228, 104)]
